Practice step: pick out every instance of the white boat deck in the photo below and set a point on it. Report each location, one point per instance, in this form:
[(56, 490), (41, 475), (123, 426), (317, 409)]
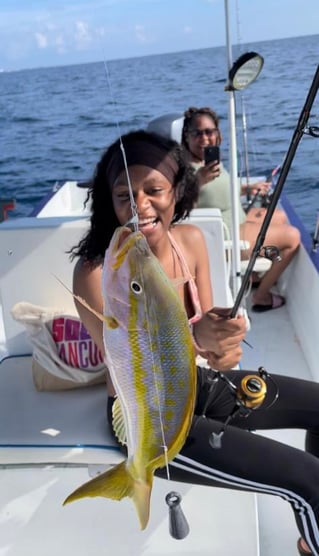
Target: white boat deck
[(35, 523), (275, 345), (277, 348)]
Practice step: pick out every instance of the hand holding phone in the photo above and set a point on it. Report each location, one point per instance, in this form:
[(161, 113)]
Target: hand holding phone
[(211, 154)]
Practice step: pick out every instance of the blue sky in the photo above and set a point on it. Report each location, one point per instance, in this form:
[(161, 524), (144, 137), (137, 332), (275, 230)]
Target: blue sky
[(42, 33)]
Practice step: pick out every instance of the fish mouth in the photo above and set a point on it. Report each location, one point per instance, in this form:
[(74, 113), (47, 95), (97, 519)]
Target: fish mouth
[(122, 236), (124, 239)]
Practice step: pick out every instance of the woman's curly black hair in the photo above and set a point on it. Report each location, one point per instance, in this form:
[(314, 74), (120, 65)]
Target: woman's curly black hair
[(103, 218)]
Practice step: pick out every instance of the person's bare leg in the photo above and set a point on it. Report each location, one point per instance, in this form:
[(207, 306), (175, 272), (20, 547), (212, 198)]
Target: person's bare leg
[(287, 239), (257, 215)]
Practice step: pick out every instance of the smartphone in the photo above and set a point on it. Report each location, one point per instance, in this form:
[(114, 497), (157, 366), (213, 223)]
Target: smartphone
[(211, 154)]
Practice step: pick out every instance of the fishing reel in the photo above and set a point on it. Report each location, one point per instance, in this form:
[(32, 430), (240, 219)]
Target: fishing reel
[(270, 252), (265, 200), (262, 200), (249, 395), (251, 392)]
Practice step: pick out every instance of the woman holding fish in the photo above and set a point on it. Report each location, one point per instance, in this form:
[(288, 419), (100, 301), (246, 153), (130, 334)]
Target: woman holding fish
[(146, 340)]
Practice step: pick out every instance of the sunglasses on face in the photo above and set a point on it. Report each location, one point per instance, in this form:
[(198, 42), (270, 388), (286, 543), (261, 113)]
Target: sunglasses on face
[(209, 131)]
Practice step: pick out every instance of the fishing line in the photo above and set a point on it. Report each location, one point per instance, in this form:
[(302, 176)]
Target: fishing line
[(243, 156), (134, 220), (160, 416), (178, 526)]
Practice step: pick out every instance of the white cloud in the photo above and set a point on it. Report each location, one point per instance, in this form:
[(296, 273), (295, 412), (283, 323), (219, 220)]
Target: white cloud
[(60, 45), (140, 33), (82, 34), (41, 40), (63, 38), (82, 29)]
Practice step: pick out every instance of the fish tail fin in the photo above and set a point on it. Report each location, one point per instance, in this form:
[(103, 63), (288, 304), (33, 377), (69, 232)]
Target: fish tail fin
[(117, 483), (142, 499)]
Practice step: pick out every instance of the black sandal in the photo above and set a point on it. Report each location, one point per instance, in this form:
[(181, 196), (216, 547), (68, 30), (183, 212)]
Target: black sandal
[(301, 550)]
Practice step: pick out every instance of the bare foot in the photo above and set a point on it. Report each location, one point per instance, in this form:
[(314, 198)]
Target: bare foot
[(303, 547), (262, 300)]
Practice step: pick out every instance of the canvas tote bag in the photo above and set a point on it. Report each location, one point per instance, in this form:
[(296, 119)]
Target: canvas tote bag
[(64, 354)]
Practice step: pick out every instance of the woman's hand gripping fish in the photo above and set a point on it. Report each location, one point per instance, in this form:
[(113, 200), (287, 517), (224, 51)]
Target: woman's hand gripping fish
[(151, 360)]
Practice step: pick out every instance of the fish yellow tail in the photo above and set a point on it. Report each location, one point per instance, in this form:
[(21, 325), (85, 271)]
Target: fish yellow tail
[(117, 483)]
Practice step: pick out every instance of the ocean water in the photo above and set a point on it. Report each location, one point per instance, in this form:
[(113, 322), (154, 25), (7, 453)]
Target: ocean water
[(56, 122)]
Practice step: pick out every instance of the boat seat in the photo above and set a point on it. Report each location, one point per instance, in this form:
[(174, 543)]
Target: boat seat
[(261, 265), (168, 125), (64, 427), (31, 276), (210, 221)]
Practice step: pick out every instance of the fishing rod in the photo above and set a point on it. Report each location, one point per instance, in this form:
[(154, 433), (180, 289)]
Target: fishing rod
[(297, 135), (251, 394)]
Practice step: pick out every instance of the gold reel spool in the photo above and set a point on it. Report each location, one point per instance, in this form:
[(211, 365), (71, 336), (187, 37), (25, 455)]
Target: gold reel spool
[(252, 391)]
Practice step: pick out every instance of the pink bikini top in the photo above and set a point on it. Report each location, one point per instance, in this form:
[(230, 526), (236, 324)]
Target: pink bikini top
[(190, 282)]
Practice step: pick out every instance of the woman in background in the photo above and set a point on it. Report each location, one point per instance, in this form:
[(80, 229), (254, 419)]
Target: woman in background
[(201, 129)]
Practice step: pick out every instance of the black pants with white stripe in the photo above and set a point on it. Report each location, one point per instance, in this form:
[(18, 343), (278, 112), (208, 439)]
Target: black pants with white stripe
[(251, 462)]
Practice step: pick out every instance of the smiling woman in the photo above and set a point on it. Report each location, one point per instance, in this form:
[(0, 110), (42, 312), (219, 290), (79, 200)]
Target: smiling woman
[(156, 182)]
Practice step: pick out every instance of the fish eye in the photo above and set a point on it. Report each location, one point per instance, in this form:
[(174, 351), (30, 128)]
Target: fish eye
[(136, 287)]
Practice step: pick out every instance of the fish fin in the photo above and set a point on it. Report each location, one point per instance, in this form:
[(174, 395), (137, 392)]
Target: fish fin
[(82, 301), (117, 483), (118, 422), (142, 499)]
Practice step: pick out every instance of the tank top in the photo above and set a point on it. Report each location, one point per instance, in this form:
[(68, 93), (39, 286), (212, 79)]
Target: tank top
[(190, 281)]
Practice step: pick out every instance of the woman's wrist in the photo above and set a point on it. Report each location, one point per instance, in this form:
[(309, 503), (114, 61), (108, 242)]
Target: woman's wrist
[(201, 178), (195, 341)]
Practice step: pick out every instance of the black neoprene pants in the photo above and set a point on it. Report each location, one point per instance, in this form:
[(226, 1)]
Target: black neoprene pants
[(251, 462)]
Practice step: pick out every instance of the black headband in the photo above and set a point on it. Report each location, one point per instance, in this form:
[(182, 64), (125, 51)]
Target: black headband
[(142, 153)]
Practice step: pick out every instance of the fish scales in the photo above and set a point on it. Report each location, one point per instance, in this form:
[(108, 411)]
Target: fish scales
[(151, 360)]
